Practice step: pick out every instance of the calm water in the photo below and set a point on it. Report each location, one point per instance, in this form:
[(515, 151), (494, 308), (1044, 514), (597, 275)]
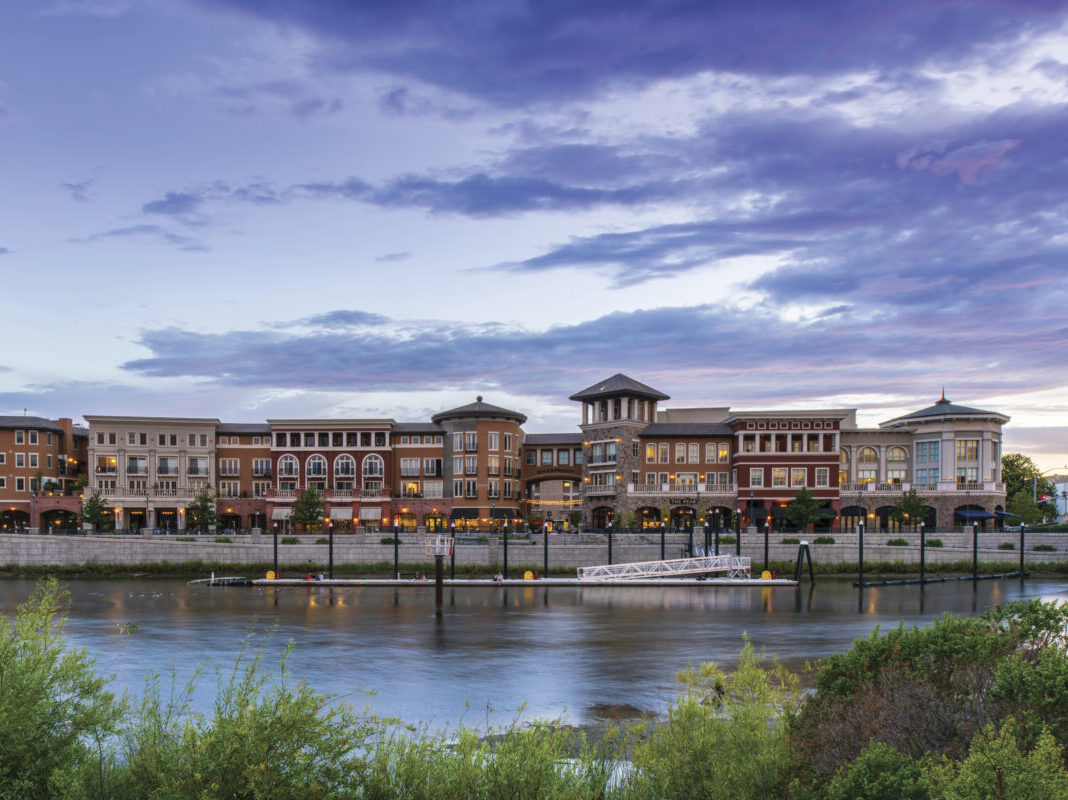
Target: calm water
[(563, 652)]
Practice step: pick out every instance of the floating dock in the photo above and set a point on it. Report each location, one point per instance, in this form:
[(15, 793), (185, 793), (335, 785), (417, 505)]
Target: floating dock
[(489, 583)]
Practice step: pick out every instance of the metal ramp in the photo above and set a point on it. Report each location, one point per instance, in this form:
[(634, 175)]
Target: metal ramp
[(734, 566)]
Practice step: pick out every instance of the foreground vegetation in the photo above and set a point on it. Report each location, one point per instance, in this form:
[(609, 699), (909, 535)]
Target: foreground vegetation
[(966, 708)]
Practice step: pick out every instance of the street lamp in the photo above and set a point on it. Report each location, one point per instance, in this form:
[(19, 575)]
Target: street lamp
[(331, 529), (276, 549)]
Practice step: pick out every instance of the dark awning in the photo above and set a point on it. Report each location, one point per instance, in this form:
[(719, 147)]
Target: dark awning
[(464, 513), (1005, 514), (970, 513), (503, 513), (777, 511), (823, 512)]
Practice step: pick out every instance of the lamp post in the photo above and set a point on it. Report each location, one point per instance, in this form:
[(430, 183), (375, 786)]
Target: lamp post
[(717, 531), (766, 526), (923, 552), (396, 551), (452, 552), (276, 549), (331, 529), (545, 549), (860, 553), (609, 541)]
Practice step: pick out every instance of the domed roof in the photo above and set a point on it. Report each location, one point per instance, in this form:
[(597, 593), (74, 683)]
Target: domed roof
[(479, 410), (944, 408), (619, 384)]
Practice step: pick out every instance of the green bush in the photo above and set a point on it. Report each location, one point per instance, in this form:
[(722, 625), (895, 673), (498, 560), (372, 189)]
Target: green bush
[(1006, 546), (934, 543), (224, 540), (879, 773), (727, 539), (322, 540), (1044, 548), (185, 538), (823, 540), (388, 540), (791, 540), (290, 540), (898, 543)]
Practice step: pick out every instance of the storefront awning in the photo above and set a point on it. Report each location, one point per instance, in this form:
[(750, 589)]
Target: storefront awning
[(778, 512), (464, 513), (1005, 514), (280, 513), (341, 513), (971, 513), (373, 512), (503, 513)]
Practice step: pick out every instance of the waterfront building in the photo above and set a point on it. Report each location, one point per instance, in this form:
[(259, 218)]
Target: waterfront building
[(552, 479), (42, 469), (421, 499), (244, 469)]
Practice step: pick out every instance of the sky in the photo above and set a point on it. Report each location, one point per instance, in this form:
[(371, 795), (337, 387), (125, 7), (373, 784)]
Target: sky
[(253, 209)]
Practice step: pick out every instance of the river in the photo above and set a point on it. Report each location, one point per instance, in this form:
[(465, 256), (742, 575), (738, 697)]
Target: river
[(554, 651)]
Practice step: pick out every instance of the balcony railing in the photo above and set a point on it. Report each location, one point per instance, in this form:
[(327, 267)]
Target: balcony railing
[(591, 490), (942, 487), (682, 488)]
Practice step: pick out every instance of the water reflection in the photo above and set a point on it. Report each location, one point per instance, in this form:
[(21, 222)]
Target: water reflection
[(560, 650)]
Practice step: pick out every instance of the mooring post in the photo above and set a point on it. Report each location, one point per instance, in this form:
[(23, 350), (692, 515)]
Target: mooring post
[(276, 551), (975, 552), (452, 551), (662, 542), (923, 553), (331, 551), (860, 553), (609, 541), (738, 538), (439, 581), (396, 552), (1021, 549), (504, 572)]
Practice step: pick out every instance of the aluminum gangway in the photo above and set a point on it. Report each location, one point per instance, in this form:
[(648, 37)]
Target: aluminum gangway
[(734, 566)]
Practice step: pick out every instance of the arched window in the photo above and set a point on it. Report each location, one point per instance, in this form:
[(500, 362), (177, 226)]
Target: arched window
[(868, 456), (288, 467), (344, 466), (373, 466), (843, 457), (896, 455), (316, 466)]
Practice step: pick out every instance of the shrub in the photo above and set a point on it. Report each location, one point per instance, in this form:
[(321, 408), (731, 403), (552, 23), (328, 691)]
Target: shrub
[(934, 543), (290, 540), (791, 540), (223, 539), (185, 538), (322, 540), (879, 773), (727, 539), (898, 543), (388, 540), (1006, 546), (823, 540), (1044, 548)]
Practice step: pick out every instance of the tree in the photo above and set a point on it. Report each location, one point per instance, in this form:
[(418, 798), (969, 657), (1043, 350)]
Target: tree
[(1019, 472), (308, 509), (1022, 504), (911, 509), (93, 509), (201, 512), (54, 710), (804, 509)]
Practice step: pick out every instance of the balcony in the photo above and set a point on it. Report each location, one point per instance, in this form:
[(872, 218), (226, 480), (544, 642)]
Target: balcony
[(340, 494), (261, 473), (689, 489), (942, 487), (599, 491)]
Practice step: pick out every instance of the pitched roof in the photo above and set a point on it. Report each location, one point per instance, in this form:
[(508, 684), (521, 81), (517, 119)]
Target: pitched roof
[(687, 429), (945, 408), (417, 427), (29, 423), (243, 427), (478, 409), (619, 384), (545, 439)]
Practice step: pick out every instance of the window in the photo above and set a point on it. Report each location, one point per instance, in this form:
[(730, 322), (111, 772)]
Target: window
[(796, 444), (547, 458), (532, 457), (438, 439), (3, 482), (843, 457), (470, 489), (192, 440), (309, 439), (563, 457), (409, 467), (433, 489), (967, 450), (131, 437), (493, 465), (895, 476), (20, 484), (471, 465), (287, 467), (352, 439), (373, 466), (724, 452), (868, 456), (112, 437), (20, 437), (723, 479), (798, 477), (710, 453), (228, 466), (105, 465), (457, 465), (778, 476), (664, 453), (198, 465), (967, 474), (930, 475), (3, 458), (843, 476), (756, 476), (315, 467), (261, 467), (865, 476), (136, 465), (896, 455), (823, 476), (279, 439), (167, 465), (432, 467), (457, 488), (680, 452), (928, 451), (650, 454), (33, 460), (324, 439), (418, 440), (508, 439), (494, 440), (686, 478), (229, 488), (20, 460), (494, 489), (471, 440), (380, 438), (578, 457), (411, 489), (457, 441), (693, 453), (365, 438), (48, 460), (260, 488)]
